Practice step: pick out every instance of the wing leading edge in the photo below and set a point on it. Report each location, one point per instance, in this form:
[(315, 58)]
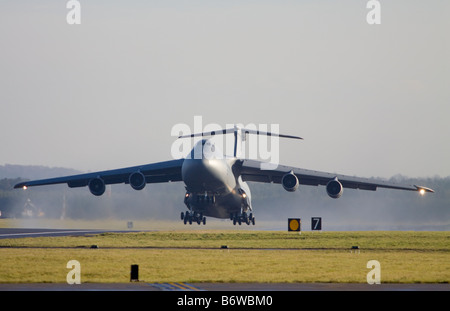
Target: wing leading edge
[(154, 173), (251, 171)]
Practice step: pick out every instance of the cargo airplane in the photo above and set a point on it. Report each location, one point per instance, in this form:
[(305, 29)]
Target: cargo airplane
[(216, 185)]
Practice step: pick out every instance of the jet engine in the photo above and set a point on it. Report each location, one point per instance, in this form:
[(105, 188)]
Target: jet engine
[(137, 181), (334, 188), (97, 186), (290, 182)]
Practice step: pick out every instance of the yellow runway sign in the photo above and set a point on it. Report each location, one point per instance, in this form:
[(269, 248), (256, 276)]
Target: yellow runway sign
[(294, 224)]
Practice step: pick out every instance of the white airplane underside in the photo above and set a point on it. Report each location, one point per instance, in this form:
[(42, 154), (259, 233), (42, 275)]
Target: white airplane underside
[(216, 185)]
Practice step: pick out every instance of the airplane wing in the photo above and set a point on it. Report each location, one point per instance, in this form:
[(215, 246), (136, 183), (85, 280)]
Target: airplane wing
[(251, 171), (152, 173)]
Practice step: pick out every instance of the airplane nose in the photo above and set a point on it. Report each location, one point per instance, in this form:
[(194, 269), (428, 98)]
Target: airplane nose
[(206, 169), (203, 174)]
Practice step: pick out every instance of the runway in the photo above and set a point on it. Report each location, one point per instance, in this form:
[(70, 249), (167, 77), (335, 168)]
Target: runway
[(11, 233), (224, 287)]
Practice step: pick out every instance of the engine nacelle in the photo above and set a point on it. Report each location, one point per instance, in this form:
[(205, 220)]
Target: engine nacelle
[(137, 181), (334, 188), (290, 182), (97, 186)]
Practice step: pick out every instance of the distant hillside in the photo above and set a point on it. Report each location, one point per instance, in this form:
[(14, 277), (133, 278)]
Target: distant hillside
[(34, 171)]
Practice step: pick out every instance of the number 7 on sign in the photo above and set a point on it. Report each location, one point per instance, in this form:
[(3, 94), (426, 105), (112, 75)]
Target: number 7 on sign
[(316, 223)]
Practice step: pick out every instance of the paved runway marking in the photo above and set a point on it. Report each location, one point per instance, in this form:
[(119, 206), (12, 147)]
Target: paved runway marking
[(6, 235), (172, 286)]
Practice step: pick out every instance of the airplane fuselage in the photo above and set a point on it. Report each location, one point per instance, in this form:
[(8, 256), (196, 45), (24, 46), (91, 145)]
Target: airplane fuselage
[(212, 188)]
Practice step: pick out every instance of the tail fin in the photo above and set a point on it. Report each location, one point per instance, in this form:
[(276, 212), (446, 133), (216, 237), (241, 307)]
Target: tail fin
[(239, 136)]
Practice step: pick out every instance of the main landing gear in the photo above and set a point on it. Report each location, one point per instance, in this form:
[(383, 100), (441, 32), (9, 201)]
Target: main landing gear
[(193, 217), (242, 218)]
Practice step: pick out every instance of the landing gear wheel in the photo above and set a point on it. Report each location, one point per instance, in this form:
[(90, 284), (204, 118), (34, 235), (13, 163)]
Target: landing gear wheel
[(191, 217), (243, 218)]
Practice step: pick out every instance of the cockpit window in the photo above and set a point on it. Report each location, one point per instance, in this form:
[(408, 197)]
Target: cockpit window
[(207, 143)]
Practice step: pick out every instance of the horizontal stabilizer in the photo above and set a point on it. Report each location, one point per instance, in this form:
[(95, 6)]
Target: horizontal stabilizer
[(236, 129), (239, 135)]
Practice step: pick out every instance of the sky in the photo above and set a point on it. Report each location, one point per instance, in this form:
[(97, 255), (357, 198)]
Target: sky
[(369, 100)]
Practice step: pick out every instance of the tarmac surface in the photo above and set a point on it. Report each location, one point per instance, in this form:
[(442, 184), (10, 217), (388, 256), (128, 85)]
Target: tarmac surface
[(11, 233), (222, 287)]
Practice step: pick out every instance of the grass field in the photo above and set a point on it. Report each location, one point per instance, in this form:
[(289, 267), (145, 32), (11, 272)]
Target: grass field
[(251, 256)]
